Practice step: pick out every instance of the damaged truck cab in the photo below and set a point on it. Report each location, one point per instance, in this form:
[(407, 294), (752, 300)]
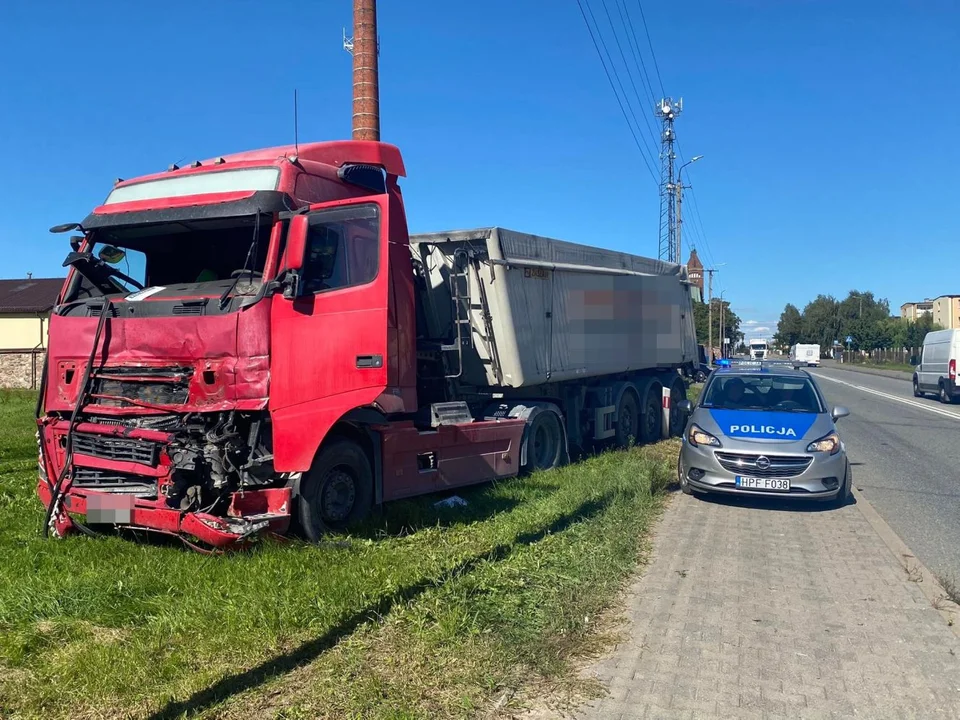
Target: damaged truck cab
[(218, 323), (255, 341)]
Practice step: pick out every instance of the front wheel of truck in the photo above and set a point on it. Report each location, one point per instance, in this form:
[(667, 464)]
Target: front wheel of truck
[(338, 490)]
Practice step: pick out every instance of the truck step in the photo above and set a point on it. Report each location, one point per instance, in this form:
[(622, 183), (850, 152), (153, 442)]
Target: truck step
[(450, 413)]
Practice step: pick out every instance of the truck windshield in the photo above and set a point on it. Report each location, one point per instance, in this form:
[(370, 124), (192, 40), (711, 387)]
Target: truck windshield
[(201, 257), (758, 346), (762, 392)]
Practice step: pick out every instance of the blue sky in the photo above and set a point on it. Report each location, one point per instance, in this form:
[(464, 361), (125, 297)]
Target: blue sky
[(829, 128)]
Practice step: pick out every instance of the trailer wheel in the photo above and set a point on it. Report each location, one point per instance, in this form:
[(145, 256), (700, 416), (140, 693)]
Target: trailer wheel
[(678, 392), (545, 443), (337, 491), (652, 414), (628, 419)]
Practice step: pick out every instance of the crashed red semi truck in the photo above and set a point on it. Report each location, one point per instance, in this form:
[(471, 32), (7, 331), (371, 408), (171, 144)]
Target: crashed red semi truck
[(255, 341)]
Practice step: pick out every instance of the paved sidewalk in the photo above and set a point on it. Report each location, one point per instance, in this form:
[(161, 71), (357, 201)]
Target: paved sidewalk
[(764, 611)]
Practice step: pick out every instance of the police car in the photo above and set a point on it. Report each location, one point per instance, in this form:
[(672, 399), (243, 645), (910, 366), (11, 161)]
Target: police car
[(764, 428)]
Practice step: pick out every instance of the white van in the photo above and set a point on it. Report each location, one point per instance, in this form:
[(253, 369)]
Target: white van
[(937, 371), (805, 355)]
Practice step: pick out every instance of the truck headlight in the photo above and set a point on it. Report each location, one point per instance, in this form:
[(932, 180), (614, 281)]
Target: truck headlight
[(829, 444), (697, 436)]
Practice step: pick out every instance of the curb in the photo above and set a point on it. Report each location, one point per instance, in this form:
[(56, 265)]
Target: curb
[(925, 580)]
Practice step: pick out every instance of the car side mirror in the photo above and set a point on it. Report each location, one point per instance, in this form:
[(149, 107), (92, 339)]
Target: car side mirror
[(839, 412), (685, 406)]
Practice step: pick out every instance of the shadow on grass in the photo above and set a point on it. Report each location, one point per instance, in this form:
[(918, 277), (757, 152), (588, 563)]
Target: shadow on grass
[(312, 649)]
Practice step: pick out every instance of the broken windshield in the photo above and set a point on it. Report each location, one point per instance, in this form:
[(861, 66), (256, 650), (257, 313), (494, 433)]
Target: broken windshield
[(196, 257)]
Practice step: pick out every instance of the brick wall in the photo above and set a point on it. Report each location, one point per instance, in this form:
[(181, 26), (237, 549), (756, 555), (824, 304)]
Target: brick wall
[(21, 369)]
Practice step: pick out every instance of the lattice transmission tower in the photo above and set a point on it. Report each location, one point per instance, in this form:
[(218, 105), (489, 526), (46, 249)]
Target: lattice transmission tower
[(668, 110)]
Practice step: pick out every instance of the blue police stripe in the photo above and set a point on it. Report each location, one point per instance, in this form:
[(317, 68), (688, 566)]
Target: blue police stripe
[(763, 424)]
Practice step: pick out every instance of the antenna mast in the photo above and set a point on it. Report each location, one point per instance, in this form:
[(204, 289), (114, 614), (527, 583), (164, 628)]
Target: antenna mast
[(668, 110)]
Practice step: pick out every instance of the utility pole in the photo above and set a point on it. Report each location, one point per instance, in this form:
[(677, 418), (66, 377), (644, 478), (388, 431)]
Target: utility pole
[(365, 48), (710, 272)]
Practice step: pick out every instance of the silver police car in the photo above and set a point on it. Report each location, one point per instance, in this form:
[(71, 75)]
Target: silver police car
[(763, 428)]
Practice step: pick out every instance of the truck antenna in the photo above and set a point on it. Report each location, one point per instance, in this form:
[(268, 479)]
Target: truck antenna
[(296, 129)]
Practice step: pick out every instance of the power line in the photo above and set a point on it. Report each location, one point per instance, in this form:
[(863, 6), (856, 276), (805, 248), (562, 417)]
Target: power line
[(612, 87), (638, 55), (616, 36), (650, 43)]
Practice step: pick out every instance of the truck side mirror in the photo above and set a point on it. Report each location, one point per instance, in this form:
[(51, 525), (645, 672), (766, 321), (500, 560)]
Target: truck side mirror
[(297, 242)]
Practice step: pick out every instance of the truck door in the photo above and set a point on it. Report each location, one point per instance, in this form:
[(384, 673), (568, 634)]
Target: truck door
[(328, 341)]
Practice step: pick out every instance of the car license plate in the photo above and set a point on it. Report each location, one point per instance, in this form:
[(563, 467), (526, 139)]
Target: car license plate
[(775, 484)]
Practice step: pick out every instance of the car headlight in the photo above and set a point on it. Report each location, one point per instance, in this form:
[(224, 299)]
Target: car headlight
[(829, 444), (697, 436)]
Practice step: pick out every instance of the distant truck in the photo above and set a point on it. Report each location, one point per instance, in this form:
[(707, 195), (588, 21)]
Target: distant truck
[(805, 355), (759, 349), (255, 341)]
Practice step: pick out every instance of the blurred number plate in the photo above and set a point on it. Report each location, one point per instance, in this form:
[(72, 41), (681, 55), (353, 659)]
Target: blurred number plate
[(777, 484), (109, 508)]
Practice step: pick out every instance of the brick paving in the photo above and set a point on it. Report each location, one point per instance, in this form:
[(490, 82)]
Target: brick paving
[(762, 611)]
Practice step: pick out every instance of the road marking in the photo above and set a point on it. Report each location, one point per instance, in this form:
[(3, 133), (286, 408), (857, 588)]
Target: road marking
[(895, 398)]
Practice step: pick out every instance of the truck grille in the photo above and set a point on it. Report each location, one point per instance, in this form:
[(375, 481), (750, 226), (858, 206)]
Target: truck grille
[(156, 386), (92, 479), (780, 466), (144, 452)]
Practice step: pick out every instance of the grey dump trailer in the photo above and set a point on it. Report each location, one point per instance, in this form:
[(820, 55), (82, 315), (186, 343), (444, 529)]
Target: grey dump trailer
[(542, 325)]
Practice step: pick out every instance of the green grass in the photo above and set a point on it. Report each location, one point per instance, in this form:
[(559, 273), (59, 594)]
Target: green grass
[(902, 367), (424, 613)]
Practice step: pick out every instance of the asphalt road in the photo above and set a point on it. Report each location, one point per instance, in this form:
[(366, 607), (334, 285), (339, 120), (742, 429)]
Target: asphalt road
[(905, 459)]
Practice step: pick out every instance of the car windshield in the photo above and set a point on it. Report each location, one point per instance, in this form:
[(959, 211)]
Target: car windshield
[(777, 393)]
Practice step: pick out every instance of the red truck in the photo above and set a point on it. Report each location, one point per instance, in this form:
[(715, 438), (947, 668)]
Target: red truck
[(255, 341)]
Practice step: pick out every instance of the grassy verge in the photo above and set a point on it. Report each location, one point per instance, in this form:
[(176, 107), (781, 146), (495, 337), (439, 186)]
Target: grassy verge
[(901, 367), (425, 613)]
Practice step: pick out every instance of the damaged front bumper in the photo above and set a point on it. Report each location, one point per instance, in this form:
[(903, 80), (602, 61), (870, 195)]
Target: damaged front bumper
[(122, 477)]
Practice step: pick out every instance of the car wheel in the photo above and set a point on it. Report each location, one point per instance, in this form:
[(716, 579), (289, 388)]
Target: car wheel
[(846, 491), (700, 376), (916, 388), (338, 490), (944, 397), (682, 479)]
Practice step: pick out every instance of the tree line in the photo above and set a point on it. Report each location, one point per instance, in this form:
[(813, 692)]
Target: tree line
[(731, 323), (861, 316)]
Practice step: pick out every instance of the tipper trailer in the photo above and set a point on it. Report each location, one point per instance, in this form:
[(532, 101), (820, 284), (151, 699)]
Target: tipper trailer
[(255, 340)]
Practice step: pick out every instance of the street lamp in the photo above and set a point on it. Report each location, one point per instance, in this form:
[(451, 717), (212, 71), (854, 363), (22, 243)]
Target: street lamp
[(723, 347), (678, 189)]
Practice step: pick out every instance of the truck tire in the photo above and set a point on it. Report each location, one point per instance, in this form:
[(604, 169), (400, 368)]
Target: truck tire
[(628, 420), (916, 387), (337, 491), (652, 419), (545, 442), (678, 392)]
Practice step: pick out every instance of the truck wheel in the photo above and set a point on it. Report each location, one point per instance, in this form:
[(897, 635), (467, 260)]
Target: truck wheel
[(678, 392), (337, 491), (545, 442), (916, 388), (628, 420), (652, 414), (944, 396)]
